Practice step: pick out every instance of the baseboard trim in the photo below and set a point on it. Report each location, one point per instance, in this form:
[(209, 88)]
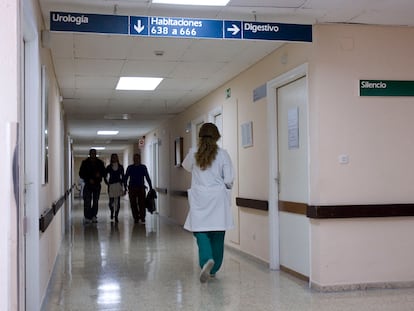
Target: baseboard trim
[(361, 286), (294, 273), (248, 256)]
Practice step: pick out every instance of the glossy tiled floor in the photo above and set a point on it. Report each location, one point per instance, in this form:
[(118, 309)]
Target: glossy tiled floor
[(131, 266)]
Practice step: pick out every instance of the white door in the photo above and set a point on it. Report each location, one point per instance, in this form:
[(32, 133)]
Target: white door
[(292, 138), (30, 172), (216, 117), (288, 169), (155, 167)]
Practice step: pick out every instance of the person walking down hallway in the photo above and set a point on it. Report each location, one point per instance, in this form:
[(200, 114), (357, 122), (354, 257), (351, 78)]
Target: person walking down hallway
[(209, 198), (136, 173), (92, 170), (115, 185)]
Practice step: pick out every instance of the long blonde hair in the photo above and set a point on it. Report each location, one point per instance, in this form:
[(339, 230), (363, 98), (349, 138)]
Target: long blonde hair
[(207, 145)]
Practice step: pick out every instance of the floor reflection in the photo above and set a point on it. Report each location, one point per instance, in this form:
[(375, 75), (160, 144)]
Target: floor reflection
[(109, 293), (128, 266)]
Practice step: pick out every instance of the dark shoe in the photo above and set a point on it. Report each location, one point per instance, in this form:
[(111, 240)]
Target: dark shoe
[(136, 221), (116, 219)]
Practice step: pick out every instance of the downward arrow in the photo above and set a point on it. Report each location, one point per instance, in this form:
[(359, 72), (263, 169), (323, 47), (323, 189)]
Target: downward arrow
[(139, 27), (235, 30)]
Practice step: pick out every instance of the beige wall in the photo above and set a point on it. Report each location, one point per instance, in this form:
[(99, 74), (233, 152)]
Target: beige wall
[(376, 133), (50, 240), (359, 253)]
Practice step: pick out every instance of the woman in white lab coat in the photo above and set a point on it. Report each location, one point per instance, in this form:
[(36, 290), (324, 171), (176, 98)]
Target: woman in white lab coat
[(209, 198)]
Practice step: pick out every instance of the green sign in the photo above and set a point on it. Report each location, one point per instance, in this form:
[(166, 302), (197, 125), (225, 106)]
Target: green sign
[(386, 88)]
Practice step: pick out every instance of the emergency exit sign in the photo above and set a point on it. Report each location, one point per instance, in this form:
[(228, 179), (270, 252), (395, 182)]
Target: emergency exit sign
[(386, 88)]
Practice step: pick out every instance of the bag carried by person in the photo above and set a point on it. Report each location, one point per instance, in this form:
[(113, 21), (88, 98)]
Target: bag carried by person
[(115, 190), (150, 201)]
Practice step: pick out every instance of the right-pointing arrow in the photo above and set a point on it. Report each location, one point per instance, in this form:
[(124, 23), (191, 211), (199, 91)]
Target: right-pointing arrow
[(234, 29)]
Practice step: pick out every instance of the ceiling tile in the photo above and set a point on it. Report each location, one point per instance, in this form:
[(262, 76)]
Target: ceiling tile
[(197, 70), (93, 93), (101, 46), (98, 67), (153, 68), (61, 45), (143, 48), (96, 82), (64, 67)]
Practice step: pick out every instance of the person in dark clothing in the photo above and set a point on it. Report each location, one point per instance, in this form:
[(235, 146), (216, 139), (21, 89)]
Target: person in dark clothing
[(136, 188), (115, 185), (92, 171)]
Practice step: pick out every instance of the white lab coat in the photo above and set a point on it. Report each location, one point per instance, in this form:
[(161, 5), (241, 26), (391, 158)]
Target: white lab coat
[(210, 196)]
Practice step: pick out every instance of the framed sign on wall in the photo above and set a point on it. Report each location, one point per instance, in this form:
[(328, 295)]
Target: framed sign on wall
[(178, 151)]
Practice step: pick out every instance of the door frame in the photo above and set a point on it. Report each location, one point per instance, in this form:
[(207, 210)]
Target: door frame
[(273, 197), (29, 172)]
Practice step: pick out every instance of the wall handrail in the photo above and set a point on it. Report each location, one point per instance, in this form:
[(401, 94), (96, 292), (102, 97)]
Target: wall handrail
[(47, 216)]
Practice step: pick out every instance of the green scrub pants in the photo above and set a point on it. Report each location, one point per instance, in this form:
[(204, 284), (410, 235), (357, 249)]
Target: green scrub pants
[(210, 246)]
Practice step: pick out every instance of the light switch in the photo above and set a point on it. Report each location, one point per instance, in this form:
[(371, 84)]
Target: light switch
[(343, 159)]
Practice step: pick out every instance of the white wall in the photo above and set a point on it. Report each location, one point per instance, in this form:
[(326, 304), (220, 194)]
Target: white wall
[(10, 94), (41, 248)]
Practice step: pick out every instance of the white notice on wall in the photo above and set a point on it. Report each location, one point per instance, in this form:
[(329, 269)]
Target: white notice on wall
[(293, 128), (247, 134)]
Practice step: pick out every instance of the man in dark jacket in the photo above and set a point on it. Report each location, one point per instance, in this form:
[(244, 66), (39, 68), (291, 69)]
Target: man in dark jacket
[(92, 171)]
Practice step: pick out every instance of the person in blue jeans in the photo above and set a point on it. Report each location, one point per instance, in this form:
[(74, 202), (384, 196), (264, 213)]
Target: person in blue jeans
[(135, 177), (92, 171), (209, 198)]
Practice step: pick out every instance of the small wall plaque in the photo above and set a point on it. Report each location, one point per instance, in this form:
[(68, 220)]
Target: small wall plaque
[(247, 134)]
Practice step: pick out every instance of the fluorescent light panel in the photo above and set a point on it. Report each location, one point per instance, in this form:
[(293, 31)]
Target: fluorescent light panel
[(138, 83), (98, 148), (194, 2), (107, 132), (117, 116)]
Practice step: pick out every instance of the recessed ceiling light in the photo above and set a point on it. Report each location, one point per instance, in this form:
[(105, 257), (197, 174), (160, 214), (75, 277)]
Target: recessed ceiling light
[(98, 148), (117, 116), (107, 132), (138, 83), (194, 2)]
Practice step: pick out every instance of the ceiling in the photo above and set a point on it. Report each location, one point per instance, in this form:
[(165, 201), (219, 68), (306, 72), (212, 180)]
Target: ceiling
[(88, 66)]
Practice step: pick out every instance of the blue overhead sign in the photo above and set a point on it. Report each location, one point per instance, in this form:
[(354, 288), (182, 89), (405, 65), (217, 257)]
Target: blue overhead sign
[(274, 31), (138, 25), (185, 27), (155, 26), (233, 30), (96, 23)]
